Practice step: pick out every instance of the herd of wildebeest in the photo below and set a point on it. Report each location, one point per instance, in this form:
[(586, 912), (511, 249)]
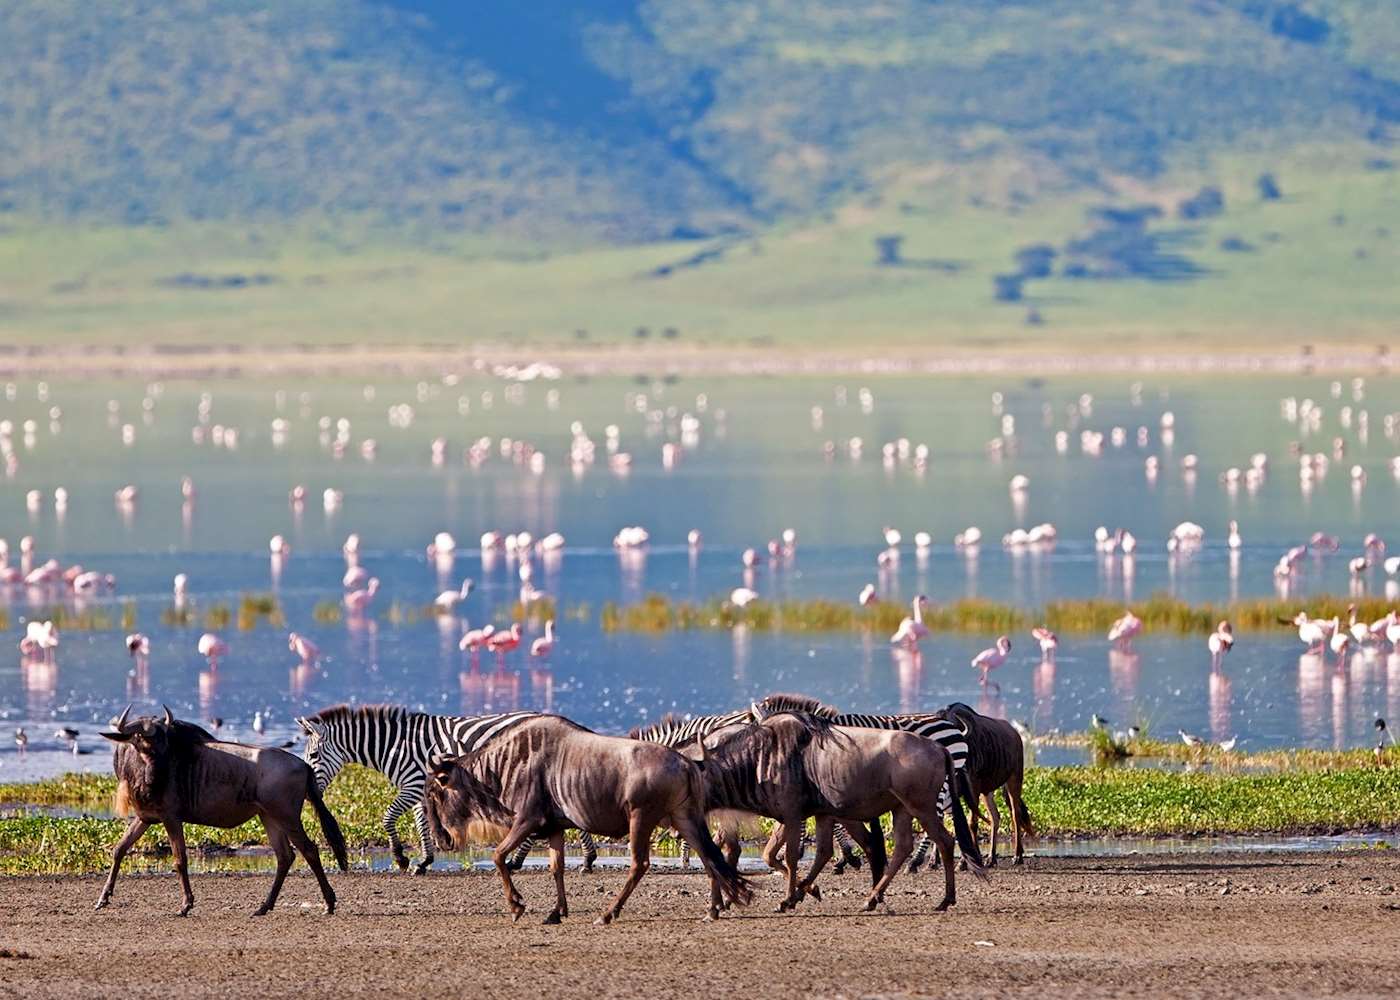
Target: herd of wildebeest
[(519, 777)]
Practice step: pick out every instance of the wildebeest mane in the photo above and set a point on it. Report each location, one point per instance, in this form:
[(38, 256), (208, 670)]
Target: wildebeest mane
[(992, 754), (779, 702), (144, 778)]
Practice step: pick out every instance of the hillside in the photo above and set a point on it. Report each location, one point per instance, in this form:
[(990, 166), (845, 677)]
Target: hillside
[(973, 174)]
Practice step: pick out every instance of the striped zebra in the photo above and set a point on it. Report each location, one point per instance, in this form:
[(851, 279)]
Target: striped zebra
[(403, 746), (930, 725), (679, 733)]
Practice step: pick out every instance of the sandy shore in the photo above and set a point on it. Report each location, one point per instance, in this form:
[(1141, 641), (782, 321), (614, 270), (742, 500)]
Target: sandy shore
[(1181, 925), (233, 361)]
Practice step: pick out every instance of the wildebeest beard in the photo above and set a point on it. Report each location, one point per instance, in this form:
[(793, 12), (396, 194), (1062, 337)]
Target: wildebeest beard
[(470, 802), (145, 776)]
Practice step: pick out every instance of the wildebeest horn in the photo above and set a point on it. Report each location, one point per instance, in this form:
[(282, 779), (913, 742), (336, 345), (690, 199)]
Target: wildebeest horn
[(120, 721), (169, 719)]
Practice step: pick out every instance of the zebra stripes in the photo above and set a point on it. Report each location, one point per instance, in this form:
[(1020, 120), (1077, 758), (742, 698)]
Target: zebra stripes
[(402, 745)]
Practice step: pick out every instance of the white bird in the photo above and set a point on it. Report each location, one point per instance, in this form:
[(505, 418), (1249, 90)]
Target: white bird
[(922, 540), (449, 599), (1221, 641), (892, 537), (867, 596), (41, 638), (968, 537), (1227, 745), (749, 558), (1190, 739), (443, 546), (211, 647), (355, 577), (278, 546), (742, 597), (905, 635), (306, 650), (1049, 642), (1127, 542), (22, 741), (1312, 632), (552, 542), (1233, 539), (917, 621), (1392, 566), (693, 538), (1122, 632), (544, 645), (1359, 565), (989, 659), (259, 725), (351, 548)]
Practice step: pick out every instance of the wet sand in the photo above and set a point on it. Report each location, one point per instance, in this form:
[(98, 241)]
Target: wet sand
[(1310, 924)]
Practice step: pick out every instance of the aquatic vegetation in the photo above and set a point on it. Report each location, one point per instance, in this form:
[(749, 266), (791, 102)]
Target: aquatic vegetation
[(657, 613), (541, 610), (128, 616), (254, 609), (177, 617), (218, 617), (94, 619), (328, 613)]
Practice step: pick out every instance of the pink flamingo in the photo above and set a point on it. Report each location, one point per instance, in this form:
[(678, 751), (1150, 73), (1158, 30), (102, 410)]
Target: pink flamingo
[(1122, 632), (917, 622), (905, 635), (544, 645), (211, 647), (41, 639), (989, 659), (1311, 631), (1049, 643), (502, 643), (475, 639), (306, 650), (358, 601), (355, 578), (867, 596), (1221, 641), (449, 599), (138, 644)]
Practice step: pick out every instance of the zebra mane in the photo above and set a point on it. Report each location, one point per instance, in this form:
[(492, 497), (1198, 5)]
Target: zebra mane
[(667, 723), (343, 712), (776, 704)]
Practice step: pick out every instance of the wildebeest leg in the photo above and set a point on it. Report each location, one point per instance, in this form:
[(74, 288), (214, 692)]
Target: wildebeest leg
[(826, 828), (175, 830), (792, 855), (312, 854), (556, 868), (872, 842), (945, 852), (425, 840), (282, 847), (133, 833), (639, 835), (772, 852), (406, 799), (1012, 790), (518, 834), (903, 845), (994, 821)]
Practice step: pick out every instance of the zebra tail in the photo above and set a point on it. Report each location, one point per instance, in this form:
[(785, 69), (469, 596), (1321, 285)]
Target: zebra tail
[(970, 852), (326, 818)]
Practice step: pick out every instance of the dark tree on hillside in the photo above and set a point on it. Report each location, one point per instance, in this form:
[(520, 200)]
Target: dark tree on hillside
[(887, 250), (1007, 287), (1268, 188), (1036, 260), (1206, 202)]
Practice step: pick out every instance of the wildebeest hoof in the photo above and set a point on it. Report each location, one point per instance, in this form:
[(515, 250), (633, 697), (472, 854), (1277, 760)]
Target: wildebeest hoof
[(102, 903), (813, 891), (1017, 861), (554, 918), (947, 902), (840, 868), (604, 919), (962, 865), (991, 862), (185, 910), (870, 905), (261, 911)]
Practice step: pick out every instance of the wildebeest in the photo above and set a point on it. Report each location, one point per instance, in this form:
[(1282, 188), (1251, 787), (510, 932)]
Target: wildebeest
[(174, 772), (794, 765), (996, 759), (547, 775)]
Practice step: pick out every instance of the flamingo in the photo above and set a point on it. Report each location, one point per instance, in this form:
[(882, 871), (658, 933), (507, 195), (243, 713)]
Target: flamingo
[(905, 635), (443, 546), (448, 599), (1339, 642), (351, 548), (40, 638), (1049, 643), (355, 577), (923, 540), (211, 647), (502, 643), (693, 538), (968, 538), (138, 644), (476, 638), (867, 596), (544, 645), (749, 558), (742, 597), (1233, 539), (1359, 565), (1221, 641), (1124, 630), (358, 601), (1312, 632), (892, 537), (180, 587), (1392, 566), (552, 542), (1360, 631), (917, 622), (1127, 542), (306, 650), (989, 659), (277, 546)]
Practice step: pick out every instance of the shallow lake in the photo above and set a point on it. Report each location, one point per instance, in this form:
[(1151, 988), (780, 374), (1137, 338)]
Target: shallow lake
[(751, 458)]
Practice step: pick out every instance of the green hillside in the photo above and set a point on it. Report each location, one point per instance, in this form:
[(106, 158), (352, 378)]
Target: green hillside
[(976, 174)]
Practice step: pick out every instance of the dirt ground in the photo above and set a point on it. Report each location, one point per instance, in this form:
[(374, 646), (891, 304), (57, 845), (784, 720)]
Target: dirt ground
[(1153, 925)]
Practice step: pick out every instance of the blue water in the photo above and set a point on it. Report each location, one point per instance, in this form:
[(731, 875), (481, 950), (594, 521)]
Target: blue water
[(752, 462)]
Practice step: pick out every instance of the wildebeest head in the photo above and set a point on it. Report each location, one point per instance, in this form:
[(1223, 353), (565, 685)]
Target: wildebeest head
[(147, 735), (461, 808), (325, 756)]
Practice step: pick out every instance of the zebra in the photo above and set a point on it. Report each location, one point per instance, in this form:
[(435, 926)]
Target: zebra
[(930, 725), (403, 745), (679, 732)]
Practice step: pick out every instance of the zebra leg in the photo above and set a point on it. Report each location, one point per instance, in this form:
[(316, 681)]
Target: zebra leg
[(517, 860), (920, 854), (405, 800), (850, 853), (590, 850), (425, 840)]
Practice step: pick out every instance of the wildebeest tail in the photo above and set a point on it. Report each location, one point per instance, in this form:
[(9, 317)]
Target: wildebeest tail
[(690, 824), (326, 818), (1023, 818), (966, 842)]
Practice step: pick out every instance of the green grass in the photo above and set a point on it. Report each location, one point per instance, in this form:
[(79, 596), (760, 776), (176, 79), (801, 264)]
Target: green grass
[(1066, 802)]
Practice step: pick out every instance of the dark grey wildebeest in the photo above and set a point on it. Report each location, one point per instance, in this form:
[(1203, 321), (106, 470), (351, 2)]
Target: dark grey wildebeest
[(796, 765), (174, 772), (547, 775), (996, 758)]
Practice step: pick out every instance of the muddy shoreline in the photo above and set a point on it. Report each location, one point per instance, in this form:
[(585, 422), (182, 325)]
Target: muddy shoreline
[(238, 361), (1320, 923)]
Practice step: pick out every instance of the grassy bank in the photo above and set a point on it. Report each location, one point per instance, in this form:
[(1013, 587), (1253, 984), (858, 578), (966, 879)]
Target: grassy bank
[(1066, 802)]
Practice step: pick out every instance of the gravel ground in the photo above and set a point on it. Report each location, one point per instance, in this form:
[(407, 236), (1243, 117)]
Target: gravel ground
[(1310, 924)]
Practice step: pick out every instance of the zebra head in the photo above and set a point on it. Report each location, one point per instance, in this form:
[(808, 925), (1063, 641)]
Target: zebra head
[(322, 752)]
